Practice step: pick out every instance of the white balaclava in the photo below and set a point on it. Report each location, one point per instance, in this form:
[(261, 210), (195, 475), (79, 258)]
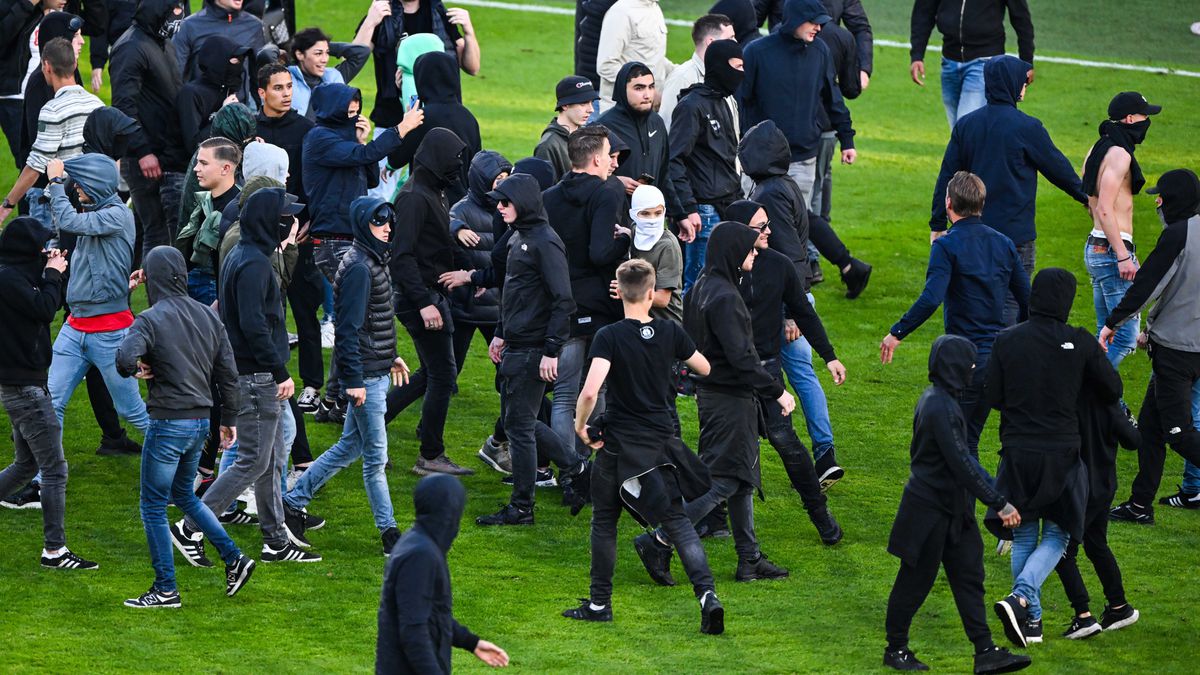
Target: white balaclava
[(646, 231)]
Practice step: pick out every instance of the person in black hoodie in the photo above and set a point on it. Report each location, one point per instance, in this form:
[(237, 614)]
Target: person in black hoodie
[(416, 620), (199, 99), (1036, 373), (935, 524), (31, 293), (422, 253), (535, 318), (704, 150), (145, 86), (744, 18)]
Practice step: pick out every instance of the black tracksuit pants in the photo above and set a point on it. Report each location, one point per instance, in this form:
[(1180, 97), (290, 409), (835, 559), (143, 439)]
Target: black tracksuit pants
[(781, 433), (1166, 418), (1095, 545), (305, 294)]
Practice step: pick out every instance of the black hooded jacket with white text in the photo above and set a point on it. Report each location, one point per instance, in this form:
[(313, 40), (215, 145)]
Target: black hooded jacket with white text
[(146, 84)]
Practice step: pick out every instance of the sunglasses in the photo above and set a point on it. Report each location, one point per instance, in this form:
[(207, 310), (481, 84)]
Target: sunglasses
[(763, 228), (504, 202), (384, 216)]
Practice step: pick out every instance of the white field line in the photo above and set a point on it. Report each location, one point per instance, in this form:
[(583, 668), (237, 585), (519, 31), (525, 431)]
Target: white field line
[(1084, 63)]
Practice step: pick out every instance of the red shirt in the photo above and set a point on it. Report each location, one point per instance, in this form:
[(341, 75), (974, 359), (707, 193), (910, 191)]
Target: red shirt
[(103, 323)]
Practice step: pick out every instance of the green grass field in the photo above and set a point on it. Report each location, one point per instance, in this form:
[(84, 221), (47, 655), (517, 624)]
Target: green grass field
[(512, 584)]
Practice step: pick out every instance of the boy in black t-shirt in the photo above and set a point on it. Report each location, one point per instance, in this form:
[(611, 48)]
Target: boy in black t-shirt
[(640, 463)]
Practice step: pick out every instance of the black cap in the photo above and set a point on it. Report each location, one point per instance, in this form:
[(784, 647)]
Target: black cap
[(574, 89), (1175, 183), (1131, 103), (291, 206)]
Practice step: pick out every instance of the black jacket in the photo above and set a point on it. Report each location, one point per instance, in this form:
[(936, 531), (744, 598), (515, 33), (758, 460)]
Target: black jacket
[(120, 14), (362, 294), (1101, 428), (439, 81), (744, 17), (477, 212), (18, 18), (108, 131), (535, 302), (845, 66), (184, 344), (146, 84), (416, 617), (199, 99), (288, 133), (718, 321), (423, 249), (773, 289), (30, 296), (703, 150), (552, 147), (848, 13), (589, 18), (250, 300), (582, 209), (971, 29), (765, 157), (646, 136)]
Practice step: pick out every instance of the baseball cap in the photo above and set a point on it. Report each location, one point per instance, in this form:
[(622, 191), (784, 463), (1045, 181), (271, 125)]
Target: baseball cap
[(574, 89), (1175, 183), (291, 205), (1131, 103)]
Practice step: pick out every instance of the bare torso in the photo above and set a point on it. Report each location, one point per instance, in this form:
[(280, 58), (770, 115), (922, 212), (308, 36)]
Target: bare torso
[(1113, 205)]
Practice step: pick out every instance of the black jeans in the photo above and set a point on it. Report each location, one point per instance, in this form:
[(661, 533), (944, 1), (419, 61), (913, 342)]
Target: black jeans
[(963, 561), (1166, 418), (327, 255), (796, 461), (1028, 254), (1095, 545), (606, 511), (10, 124), (434, 380), (305, 293), (523, 395), (156, 203), (828, 244), (37, 445), (464, 333), (974, 408)]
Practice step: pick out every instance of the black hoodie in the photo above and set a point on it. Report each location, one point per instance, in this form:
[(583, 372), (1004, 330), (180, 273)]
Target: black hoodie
[(582, 209), (18, 19), (536, 303), (251, 302), (30, 296), (416, 617), (744, 18), (439, 81), (183, 342), (477, 212), (704, 147), (422, 248), (202, 97), (765, 157), (108, 131), (718, 321), (145, 86)]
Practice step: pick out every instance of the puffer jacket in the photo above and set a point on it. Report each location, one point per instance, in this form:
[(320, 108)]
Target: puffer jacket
[(362, 291), (476, 212)]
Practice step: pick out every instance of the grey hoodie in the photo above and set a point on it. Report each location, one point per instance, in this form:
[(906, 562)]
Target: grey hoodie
[(183, 342)]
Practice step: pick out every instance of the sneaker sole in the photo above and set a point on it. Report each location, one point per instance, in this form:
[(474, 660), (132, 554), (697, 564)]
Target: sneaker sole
[(831, 476), (760, 578), (1149, 520), (22, 507), (492, 463), (299, 560), (713, 623), (1008, 619), (430, 472), (96, 567), (136, 606), (179, 547), (1084, 633), (242, 579), (1123, 623)]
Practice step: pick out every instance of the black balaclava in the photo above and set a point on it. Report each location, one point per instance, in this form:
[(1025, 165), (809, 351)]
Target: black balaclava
[(718, 74), (1180, 192)]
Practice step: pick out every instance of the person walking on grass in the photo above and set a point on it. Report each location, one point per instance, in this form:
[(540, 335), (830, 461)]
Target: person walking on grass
[(179, 347)]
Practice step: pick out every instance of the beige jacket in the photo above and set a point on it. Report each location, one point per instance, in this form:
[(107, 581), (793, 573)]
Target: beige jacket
[(633, 30)]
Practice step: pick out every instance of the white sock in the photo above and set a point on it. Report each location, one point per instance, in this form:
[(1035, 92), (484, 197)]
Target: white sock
[(59, 554), (596, 608)]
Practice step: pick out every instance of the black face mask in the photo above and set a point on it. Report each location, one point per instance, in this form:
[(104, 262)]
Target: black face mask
[(718, 74), (170, 26), (1137, 130), (233, 75)]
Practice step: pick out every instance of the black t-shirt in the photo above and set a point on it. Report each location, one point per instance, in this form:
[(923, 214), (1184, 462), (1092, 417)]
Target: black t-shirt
[(639, 382)]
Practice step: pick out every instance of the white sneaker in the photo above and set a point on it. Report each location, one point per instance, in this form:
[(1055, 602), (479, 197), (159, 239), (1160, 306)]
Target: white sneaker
[(248, 498), (327, 335), (1196, 28), (309, 399), (292, 477)]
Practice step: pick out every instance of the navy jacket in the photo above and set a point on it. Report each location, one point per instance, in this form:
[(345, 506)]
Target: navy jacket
[(1006, 148), (971, 270)]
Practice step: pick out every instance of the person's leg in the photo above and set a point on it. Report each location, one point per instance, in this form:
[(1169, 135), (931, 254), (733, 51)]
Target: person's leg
[(10, 124), (974, 408), (571, 361), (1039, 564), (1191, 472), (1152, 453), (721, 489), (437, 358), (1175, 374), (67, 368), (823, 174), (799, 467), (127, 398), (300, 450), (256, 425), (327, 256), (170, 194), (696, 248), (1107, 290), (971, 95), (1028, 254), (829, 245), (373, 436), (102, 408), (691, 552), (1072, 581), (523, 392), (804, 173), (182, 496), (37, 444), (741, 520), (304, 294), (267, 487), (339, 456), (1095, 545), (951, 88), (463, 334), (144, 193), (797, 363), (964, 571), (164, 445), (606, 511)]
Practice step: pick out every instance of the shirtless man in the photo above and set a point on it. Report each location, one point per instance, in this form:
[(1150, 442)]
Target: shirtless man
[(1111, 176)]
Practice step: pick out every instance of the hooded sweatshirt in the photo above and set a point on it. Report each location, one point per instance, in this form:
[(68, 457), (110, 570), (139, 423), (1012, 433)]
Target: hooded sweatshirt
[(704, 136), (718, 321), (765, 156), (283, 261), (250, 300), (108, 131), (264, 159), (100, 263), (794, 96), (362, 294), (552, 147), (288, 132), (145, 85), (30, 297), (476, 212), (19, 18), (336, 165), (1007, 149), (183, 342), (742, 14), (241, 27), (203, 95), (416, 617)]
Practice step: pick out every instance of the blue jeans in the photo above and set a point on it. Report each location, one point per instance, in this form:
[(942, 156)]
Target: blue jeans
[(798, 364), (962, 87), (1191, 472), (571, 362), (364, 434), (74, 354), (694, 250), (202, 286), (1033, 561), (40, 209), (170, 456), (1107, 290)]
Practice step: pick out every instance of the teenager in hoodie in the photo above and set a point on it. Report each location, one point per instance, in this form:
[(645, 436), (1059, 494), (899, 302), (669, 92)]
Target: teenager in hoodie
[(366, 352), (180, 348), (145, 86), (705, 31), (214, 86), (1007, 149), (224, 18), (416, 619), (573, 108), (704, 143), (1036, 373), (30, 297), (935, 524)]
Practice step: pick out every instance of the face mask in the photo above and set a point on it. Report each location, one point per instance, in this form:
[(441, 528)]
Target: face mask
[(646, 231), (169, 27), (1137, 130), (233, 75), (718, 74)]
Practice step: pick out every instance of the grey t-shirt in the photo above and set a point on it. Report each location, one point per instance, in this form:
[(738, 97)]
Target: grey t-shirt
[(667, 259)]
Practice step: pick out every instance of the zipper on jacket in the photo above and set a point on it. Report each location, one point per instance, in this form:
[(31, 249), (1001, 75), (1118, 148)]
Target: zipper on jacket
[(962, 47)]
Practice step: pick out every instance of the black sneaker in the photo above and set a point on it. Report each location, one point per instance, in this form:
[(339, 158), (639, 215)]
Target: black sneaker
[(827, 527), (1129, 512), (902, 659), (544, 478), (289, 553), (330, 412), (577, 489), (28, 498), (1032, 631), (510, 514), (190, 544), (202, 483), (817, 275), (712, 614), (312, 522), (1082, 628), (656, 557), (153, 599), (237, 574), (715, 525), (293, 523), (1116, 619), (237, 517), (753, 570), (123, 445), (828, 471), (389, 536), (1182, 500), (856, 279), (584, 612), (70, 561), (1013, 616), (1000, 660)]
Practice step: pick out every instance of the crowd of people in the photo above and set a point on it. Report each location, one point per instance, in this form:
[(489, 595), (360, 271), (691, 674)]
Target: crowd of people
[(661, 241)]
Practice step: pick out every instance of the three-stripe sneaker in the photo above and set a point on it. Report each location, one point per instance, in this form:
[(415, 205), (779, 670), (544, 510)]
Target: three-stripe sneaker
[(189, 544), (67, 561), (152, 599), (237, 574), (237, 517), (1182, 500), (289, 553)]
